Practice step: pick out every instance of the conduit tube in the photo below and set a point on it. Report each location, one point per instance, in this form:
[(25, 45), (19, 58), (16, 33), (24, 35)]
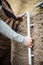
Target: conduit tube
[(28, 32)]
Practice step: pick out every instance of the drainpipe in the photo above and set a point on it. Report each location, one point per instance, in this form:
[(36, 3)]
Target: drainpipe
[(28, 32)]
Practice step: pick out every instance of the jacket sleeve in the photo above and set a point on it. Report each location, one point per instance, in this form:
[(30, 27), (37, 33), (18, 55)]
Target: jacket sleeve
[(7, 31)]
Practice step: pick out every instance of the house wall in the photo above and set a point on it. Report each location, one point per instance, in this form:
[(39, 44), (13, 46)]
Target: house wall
[(19, 53), (20, 6)]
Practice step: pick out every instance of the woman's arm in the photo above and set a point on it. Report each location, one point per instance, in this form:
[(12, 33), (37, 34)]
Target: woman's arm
[(7, 31)]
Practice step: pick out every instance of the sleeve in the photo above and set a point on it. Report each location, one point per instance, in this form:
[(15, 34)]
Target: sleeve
[(7, 31)]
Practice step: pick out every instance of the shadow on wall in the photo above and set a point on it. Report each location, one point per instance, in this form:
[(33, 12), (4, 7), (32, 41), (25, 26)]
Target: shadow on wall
[(41, 63)]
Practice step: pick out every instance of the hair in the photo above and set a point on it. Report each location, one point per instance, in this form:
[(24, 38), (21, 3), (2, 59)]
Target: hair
[(0, 2)]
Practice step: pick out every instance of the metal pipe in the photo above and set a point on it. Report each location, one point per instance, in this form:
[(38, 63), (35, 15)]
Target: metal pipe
[(40, 4), (28, 32)]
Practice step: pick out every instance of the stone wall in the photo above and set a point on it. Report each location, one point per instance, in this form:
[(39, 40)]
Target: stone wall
[(20, 6), (19, 53)]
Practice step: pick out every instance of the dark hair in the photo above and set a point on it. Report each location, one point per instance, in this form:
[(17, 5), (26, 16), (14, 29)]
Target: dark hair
[(0, 2)]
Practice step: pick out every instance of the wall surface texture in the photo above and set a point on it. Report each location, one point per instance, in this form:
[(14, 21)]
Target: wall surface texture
[(20, 6), (19, 53)]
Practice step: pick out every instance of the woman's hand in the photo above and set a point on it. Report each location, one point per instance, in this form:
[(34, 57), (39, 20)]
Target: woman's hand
[(28, 41), (20, 16)]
